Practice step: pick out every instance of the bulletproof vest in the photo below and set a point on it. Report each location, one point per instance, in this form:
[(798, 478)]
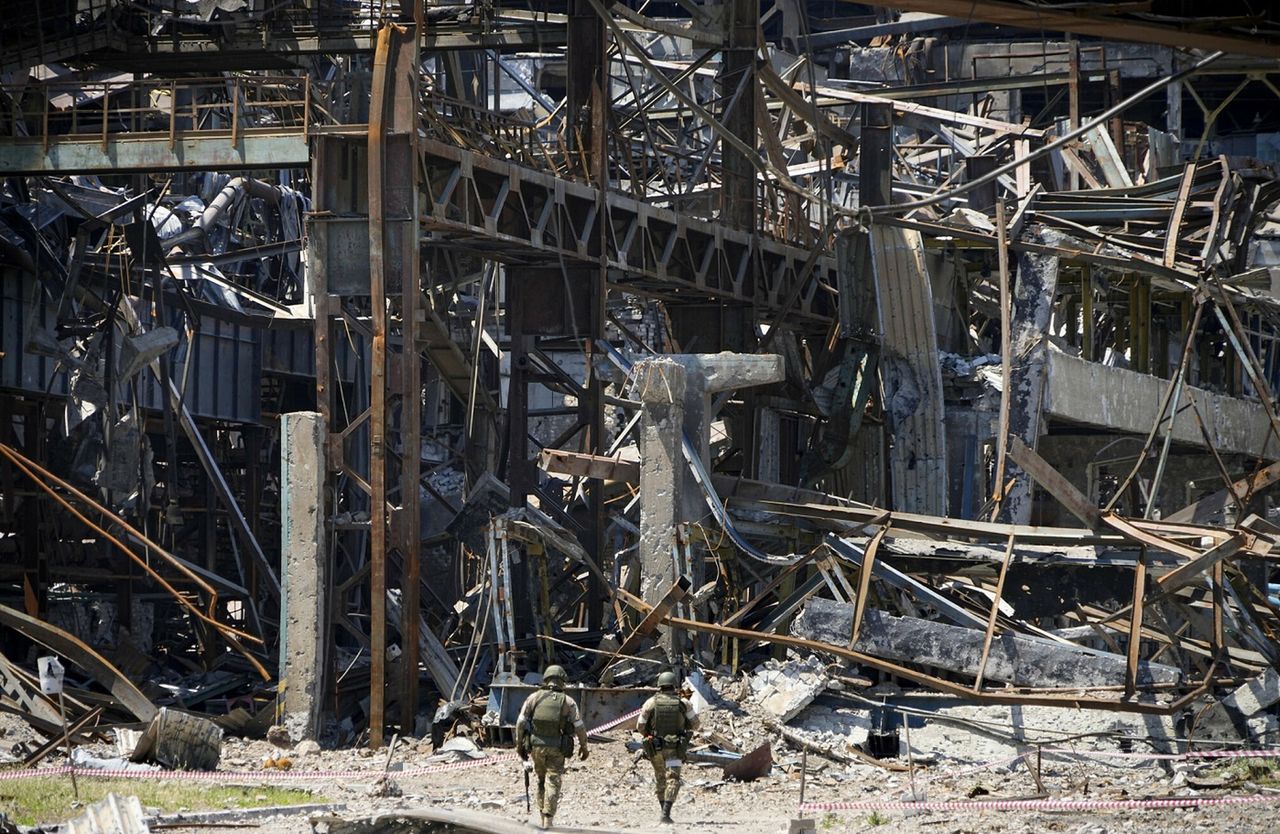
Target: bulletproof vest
[(668, 715), (547, 719)]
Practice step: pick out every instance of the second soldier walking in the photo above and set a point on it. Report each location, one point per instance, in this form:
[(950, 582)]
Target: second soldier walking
[(667, 721), (545, 731)]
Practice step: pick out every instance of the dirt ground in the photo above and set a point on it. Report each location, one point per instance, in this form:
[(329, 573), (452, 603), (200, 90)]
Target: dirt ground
[(609, 791), (605, 792)]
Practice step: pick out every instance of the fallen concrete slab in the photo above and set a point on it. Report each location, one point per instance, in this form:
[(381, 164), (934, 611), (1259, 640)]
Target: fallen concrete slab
[(784, 689), (1014, 659)]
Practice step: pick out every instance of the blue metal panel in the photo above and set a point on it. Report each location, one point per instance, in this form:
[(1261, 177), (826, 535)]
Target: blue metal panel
[(23, 305), (224, 383), (293, 352)]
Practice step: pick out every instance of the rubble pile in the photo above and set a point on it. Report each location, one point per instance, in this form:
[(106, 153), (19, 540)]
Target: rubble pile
[(903, 384)]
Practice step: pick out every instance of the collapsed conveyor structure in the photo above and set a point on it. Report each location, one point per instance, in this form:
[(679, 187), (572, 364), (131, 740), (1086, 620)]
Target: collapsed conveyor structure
[(360, 356)]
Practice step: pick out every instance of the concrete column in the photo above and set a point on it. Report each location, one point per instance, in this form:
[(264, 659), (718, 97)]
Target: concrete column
[(675, 391), (304, 604), (660, 384), (1032, 314)]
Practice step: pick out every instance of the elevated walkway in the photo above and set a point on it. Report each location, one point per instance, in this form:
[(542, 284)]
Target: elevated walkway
[(162, 125)]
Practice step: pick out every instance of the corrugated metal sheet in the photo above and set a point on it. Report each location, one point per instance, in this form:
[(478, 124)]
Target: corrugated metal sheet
[(113, 815), (224, 383), (910, 371)]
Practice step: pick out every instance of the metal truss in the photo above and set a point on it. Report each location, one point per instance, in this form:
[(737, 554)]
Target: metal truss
[(517, 215)]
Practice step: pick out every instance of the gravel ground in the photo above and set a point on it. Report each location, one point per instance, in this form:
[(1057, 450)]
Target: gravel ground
[(607, 792)]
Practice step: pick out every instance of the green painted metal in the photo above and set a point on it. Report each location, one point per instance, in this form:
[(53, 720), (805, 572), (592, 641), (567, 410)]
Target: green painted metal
[(153, 152)]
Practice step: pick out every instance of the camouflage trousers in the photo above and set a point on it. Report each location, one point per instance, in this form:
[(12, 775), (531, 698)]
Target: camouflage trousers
[(666, 775), (548, 766)]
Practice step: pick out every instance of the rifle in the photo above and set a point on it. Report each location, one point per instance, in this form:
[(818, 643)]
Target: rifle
[(527, 767)]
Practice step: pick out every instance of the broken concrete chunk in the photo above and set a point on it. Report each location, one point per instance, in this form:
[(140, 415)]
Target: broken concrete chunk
[(180, 741), (784, 689), (140, 349), (1256, 695)]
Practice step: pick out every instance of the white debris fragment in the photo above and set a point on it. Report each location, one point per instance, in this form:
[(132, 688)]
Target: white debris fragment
[(783, 689)]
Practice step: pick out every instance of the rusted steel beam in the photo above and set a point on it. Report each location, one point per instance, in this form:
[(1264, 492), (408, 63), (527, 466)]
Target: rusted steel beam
[(1147, 538), (36, 756), (1185, 574), (382, 85), (991, 619), (1006, 359), (582, 465), (675, 594), (82, 655), (864, 579), (1135, 625), (1043, 473)]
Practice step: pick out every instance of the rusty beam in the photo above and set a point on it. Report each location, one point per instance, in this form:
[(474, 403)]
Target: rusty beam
[(991, 619), (82, 655), (1054, 483), (382, 86), (582, 465), (1135, 625), (1185, 574), (675, 594)]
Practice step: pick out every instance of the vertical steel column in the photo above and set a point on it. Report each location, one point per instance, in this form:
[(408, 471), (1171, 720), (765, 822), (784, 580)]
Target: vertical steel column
[(378, 391), (589, 84), (738, 188), (875, 157), (982, 198), (409, 530), (519, 473), (1073, 100), (739, 205)]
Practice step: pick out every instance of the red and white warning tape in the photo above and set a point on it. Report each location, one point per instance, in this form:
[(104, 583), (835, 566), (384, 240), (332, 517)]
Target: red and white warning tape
[(283, 775), (1042, 804), (1104, 754), (1268, 753)]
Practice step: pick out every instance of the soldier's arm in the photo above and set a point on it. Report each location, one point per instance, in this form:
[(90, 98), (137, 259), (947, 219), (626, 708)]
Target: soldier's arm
[(691, 719), (525, 710), (571, 708), (646, 714)]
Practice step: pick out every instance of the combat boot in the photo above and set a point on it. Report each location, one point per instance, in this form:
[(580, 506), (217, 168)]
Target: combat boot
[(546, 820), (666, 812)]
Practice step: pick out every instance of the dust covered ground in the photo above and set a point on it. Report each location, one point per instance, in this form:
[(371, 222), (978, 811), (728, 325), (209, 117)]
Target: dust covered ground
[(961, 753)]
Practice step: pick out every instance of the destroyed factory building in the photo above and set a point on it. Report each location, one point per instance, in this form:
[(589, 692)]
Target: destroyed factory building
[(877, 370)]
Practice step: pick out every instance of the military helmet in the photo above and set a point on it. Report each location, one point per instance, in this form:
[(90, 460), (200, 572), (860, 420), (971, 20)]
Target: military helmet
[(667, 680), (554, 672)]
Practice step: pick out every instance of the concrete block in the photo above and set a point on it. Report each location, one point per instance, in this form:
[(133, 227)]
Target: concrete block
[(1022, 661), (784, 689), (1256, 695)]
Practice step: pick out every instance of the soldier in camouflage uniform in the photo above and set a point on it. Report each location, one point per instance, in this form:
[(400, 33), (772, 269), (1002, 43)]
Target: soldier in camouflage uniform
[(545, 731), (666, 722)]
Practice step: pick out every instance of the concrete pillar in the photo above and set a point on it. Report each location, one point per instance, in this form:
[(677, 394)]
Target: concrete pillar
[(304, 613), (660, 383), (675, 391)]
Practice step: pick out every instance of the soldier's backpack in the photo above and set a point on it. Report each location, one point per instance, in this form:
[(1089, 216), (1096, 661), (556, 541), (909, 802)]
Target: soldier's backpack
[(668, 725), (547, 723)]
